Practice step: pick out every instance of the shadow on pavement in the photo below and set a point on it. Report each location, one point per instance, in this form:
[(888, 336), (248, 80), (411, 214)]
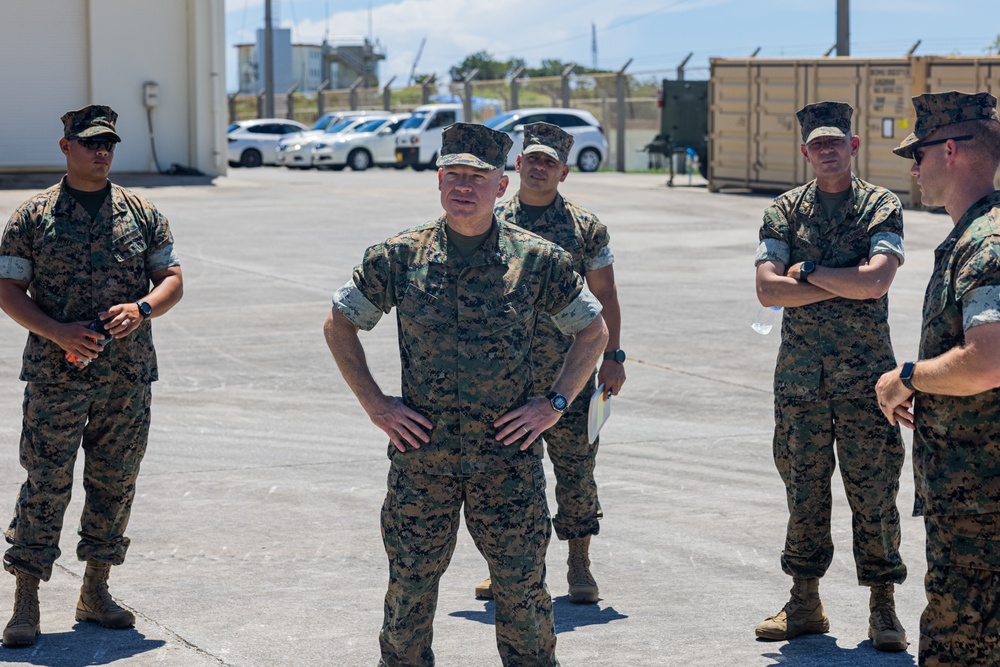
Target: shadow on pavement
[(86, 644), (822, 651), (568, 615)]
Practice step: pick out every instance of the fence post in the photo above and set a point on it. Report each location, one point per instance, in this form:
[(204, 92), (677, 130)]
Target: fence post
[(260, 103), (387, 95), (290, 102), (565, 84), (321, 98), (232, 108), (354, 92), (425, 88), (515, 85), (680, 68), (620, 86), (467, 97)]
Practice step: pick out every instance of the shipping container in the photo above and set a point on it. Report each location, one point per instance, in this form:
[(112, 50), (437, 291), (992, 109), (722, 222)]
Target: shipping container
[(754, 136)]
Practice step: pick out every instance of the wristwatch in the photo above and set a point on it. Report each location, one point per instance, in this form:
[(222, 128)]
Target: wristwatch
[(615, 355), (558, 402), (906, 374), (144, 309), (806, 270)]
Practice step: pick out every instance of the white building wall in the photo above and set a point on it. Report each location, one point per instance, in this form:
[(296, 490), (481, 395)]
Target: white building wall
[(59, 55)]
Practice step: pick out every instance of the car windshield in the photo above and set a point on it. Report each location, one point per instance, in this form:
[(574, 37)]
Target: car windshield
[(371, 125), (416, 120), (498, 121), (322, 122), (233, 128), (337, 127)]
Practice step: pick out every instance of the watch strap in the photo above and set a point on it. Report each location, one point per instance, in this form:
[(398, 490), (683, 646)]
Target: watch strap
[(615, 355), (906, 374)]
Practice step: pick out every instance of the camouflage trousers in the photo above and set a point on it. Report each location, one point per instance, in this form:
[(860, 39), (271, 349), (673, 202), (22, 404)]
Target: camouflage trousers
[(573, 460), (870, 455), (960, 626), (508, 518), (111, 421)]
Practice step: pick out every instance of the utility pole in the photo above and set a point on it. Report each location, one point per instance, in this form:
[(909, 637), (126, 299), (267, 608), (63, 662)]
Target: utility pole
[(268, 62), (843, 28), (593, 45)]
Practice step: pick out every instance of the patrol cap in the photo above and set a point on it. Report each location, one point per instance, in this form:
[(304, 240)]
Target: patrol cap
[(936, 110), (825, 119), (474, 145), (91, 121), (549, 139)]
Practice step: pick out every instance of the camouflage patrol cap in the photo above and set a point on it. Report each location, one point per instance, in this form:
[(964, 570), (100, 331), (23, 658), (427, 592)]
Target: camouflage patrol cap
[(936, 110), (474, 145), (549, 139), (825, 119), (91, 121)]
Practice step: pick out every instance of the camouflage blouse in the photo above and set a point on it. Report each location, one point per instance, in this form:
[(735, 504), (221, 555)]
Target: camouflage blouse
[(465, 330), (76, 266), (956, 446), (836, 348)]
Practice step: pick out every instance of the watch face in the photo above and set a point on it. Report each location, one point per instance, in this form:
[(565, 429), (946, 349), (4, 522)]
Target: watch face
[(146, 309), (559, 402), (620, 356)]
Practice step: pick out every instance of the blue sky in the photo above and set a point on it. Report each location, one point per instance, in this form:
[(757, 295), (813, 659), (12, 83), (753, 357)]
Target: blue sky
[(657, 35)]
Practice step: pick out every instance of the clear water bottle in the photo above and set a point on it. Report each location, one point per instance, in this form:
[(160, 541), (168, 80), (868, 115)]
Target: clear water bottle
[(98, 326), (765, 319)]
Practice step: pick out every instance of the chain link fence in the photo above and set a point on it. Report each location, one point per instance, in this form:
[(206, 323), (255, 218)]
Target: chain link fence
[(630, 101)]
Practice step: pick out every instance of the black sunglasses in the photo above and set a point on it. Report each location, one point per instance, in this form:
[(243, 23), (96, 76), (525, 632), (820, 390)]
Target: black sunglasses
[(97, 145), (918, 156)]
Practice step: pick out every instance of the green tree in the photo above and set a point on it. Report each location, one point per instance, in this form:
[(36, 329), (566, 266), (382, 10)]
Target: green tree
[(489, 67), (995, 46)]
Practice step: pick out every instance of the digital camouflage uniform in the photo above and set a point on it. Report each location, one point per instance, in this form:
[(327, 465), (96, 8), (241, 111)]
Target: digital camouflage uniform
[(956, 444), (831, 354), (580, 233), (465, 330), (76, 267)]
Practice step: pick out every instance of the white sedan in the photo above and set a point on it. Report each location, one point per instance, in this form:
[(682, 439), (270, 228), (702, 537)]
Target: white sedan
[(590, 146), (371, 143), (252, 143)]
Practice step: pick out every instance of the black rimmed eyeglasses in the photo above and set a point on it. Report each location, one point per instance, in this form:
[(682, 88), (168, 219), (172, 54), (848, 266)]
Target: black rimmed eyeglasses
[(915, 148), (97, 145)]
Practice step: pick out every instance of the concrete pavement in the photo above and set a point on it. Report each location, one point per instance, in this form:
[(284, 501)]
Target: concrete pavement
[(255, 535)]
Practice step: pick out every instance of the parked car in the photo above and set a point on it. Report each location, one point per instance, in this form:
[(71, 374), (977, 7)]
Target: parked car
[(297, 150), (370, 143), (252, 143), (418, 141), (590, 146)]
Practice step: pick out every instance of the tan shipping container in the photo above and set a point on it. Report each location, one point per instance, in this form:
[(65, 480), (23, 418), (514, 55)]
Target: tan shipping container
[(754, 136)]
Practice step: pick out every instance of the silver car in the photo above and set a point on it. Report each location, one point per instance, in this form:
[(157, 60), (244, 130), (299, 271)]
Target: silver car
[(252, 143), (295, 151), (371, 143), (590, 146)]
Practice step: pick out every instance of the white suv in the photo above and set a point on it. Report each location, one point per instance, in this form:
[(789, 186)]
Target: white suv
[(590, 146)]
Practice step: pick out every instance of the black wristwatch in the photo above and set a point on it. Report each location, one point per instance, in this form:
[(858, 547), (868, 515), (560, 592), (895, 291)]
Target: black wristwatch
[(144, 309), (805, 271), (558, 402), (906, 374), (615, 355)]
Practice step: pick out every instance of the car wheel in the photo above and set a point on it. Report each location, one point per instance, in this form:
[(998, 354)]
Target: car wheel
[(588, 160), (359, 159), (251, 158)]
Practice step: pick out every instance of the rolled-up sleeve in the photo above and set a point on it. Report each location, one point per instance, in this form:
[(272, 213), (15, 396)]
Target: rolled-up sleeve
[(16, 268), (772, 250), (356, 307), (981, 306), (887, 243), (580, 312)]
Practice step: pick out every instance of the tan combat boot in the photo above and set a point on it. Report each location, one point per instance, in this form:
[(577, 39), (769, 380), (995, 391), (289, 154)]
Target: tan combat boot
[(95, 604), (24, 624), (582, 587), (484, 591), (802, 614), (884, 628)]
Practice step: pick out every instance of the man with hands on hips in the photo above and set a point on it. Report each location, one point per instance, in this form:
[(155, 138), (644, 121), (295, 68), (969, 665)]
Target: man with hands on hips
[(467, 289)]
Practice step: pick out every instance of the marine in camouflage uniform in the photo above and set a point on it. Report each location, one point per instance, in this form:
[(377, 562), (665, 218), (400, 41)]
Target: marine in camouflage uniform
[(540, 208), (83, 249), (467, 290), (952, 388), (828, 252)]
